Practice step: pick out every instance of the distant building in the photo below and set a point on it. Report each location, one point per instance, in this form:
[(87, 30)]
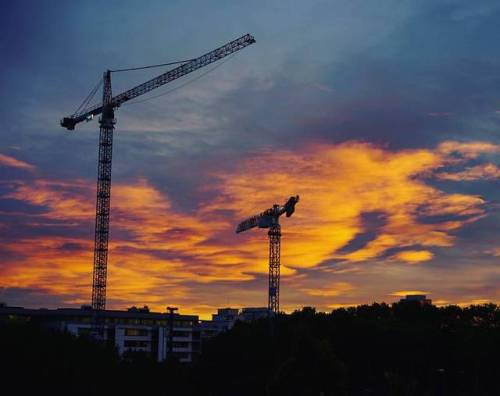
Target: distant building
[(249, 314), (134, 330), (420, 298), (225, 318)]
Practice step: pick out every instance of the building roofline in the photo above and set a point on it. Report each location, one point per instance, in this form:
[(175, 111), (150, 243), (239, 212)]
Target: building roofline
[(90, 312)]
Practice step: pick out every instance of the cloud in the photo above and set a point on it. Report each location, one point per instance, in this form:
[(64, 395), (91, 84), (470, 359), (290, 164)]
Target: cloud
[(458, 154), (468, 150), (332, 290), (494, 252), (337, 185), (15, 163), (439, 114), (404, 293), (359, 203), (413, 256), (64, 200), (483, 171)]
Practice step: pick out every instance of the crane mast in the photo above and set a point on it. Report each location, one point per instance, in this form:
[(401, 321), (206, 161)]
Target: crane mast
[(273, 296), (270, 219), (107, 123), (103, 201)]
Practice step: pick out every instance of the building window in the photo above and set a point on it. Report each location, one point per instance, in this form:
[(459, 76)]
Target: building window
[(181, 333), (179, 344), (183, 323), (135, 344), (136, 332), (84, 331)]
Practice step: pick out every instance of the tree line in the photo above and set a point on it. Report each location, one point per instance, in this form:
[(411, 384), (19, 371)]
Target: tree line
[(378, 349)]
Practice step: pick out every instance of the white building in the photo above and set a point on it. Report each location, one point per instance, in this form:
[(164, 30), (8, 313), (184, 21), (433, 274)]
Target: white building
[(134, 330), (138, 330)]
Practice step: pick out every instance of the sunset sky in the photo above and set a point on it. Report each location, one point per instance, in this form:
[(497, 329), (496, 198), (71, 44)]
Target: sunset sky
[(383, 116)]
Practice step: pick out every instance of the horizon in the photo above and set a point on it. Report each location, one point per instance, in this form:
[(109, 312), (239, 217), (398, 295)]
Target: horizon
[(208, 317), (382, 117)]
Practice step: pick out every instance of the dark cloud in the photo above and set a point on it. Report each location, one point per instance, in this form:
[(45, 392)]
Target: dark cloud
[(33, 298), (371, 223)]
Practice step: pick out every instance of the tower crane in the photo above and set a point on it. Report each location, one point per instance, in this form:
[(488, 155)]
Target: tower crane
[(270, 219), (107, 123)]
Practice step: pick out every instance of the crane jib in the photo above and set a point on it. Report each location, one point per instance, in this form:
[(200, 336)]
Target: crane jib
[(269, 217), (171, 75)]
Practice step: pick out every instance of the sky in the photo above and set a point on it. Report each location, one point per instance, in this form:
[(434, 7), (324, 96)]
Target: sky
[(382, 115)]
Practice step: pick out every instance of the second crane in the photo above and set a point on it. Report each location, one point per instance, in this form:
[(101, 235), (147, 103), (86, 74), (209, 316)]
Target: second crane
[(270, 219)]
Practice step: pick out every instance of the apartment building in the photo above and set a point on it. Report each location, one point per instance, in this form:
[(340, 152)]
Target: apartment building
[(157, 334)]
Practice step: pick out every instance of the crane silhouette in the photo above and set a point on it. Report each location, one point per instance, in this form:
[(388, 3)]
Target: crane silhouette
[(107, 124), (270, 219)]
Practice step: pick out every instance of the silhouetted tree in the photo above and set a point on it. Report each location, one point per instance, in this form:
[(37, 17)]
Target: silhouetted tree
[(403, 349)]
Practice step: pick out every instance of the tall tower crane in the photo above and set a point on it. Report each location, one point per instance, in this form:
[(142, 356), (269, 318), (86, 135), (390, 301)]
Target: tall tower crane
[(270, 219), (107, 123)]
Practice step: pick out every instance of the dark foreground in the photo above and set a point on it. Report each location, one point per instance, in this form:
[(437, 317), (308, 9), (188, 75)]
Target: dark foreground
[(405, 349)]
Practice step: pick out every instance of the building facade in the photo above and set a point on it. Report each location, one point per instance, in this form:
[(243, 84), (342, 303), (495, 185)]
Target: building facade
[(254, 313), (225, 318), (135, 330)]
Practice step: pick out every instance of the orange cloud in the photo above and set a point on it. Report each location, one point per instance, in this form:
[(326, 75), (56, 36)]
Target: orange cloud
[(15, 163), (162, 249), (404, 293), (64, 200), (331, 290), (475, 301), (157, 252), (339, 183), (413, 256)]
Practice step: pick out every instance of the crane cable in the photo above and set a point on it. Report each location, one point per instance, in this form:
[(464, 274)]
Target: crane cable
[(182, 85), (150, 66), (92, 93), (89, 97)]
